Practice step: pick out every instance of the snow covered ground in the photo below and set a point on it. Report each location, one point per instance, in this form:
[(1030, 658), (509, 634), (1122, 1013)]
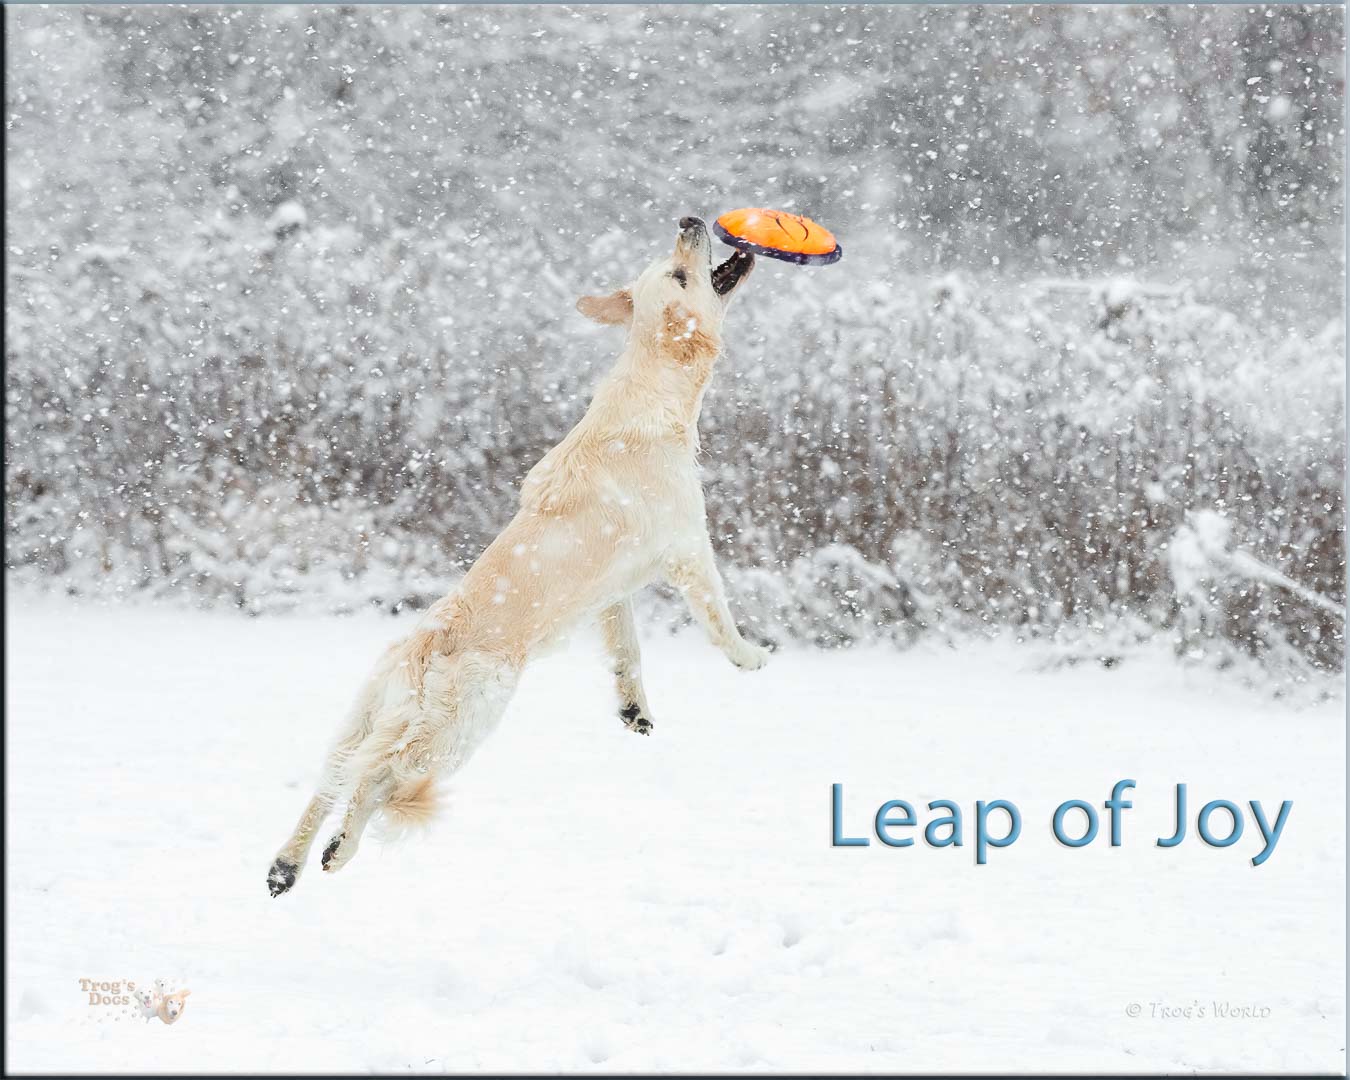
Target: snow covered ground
[(597, 901)]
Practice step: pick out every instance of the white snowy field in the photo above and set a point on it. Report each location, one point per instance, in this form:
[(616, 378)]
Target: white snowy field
[(594, 900)]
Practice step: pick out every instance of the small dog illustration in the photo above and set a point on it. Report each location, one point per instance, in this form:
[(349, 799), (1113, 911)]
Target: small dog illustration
[(171, 1006), (148, 1001)]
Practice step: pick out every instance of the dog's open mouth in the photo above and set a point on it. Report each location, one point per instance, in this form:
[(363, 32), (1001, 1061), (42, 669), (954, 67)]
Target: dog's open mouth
[(728, 275)]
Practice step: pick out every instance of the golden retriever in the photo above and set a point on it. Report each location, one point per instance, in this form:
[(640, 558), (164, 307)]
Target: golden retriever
[(614, 506)]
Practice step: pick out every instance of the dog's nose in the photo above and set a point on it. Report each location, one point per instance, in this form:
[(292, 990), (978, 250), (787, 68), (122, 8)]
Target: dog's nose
[(692, 223)]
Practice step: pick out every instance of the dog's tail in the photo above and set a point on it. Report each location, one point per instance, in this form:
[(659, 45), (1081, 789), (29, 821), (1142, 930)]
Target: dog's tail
[(414, 802), (412, 805)]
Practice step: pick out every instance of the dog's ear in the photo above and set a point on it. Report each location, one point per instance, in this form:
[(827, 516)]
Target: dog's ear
[(616, 309)]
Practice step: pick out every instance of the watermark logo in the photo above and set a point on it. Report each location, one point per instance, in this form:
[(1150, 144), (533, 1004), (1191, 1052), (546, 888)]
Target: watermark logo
[(147, 1002), (1199, 1010)]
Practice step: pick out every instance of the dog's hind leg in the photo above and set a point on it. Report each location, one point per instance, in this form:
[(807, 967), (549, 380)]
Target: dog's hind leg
[(462, 698), (290, 860), (366, 798), (620, 633), (286, 867)]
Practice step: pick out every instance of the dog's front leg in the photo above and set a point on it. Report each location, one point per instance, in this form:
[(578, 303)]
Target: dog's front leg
[(620, 633), (700, 584)]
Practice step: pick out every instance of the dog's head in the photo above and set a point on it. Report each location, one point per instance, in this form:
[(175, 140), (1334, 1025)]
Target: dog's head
[(678, 303), (173, 1006)]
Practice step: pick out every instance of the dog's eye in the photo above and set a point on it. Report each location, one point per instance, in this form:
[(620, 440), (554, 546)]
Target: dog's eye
[(680, 276)]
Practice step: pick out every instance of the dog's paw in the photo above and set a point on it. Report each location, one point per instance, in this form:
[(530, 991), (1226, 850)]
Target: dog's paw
[(281, 876), (337, 853), (634, 719), (750, 657)]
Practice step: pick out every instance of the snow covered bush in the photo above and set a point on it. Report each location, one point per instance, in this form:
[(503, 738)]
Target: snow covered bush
[(289, 308)]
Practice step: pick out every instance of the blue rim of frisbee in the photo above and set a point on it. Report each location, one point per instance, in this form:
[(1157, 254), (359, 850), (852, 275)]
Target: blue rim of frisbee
[(801, 258)]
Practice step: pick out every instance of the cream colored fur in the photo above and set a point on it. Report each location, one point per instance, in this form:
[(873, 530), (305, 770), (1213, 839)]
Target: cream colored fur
[(614, 506)]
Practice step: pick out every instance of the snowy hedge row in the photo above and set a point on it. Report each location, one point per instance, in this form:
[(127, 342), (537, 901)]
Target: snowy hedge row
[(349, 421)]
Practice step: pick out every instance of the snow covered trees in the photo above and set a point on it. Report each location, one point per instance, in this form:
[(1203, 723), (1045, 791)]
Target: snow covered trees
[(290, 298)]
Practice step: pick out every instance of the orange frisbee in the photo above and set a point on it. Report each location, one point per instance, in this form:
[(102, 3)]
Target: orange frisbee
[(779, 235)]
